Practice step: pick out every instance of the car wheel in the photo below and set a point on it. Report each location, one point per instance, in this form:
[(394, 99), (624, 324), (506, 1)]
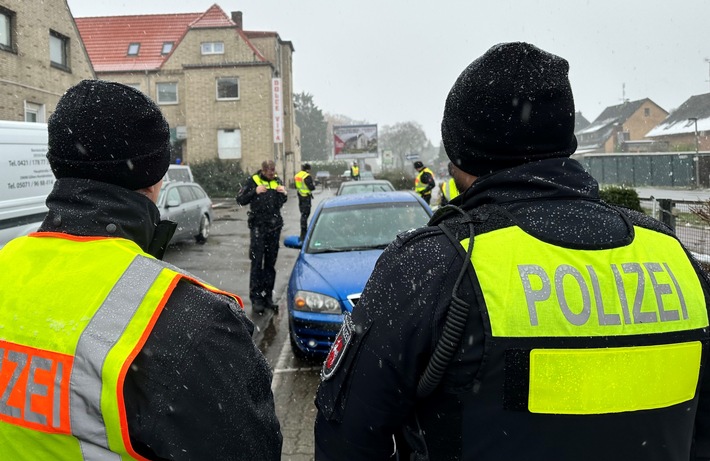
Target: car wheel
[(204, 230)]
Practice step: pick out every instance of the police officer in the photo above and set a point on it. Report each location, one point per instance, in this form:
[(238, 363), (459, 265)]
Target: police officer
[(547, 324), (355, 171), (107, 352), (265, 194), (305, 187), (449, 191), (424, 183)]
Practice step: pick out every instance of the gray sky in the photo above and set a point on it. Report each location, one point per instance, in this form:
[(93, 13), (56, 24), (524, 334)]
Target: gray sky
[(393, 61)]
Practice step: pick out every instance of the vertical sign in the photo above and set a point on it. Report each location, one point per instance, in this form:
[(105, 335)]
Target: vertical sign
[(277, 109)]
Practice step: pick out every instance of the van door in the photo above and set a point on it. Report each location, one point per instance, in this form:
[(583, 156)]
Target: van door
[(25, 178)]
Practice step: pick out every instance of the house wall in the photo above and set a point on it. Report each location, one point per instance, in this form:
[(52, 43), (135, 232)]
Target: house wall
[(203, 115), (251, 114), (25, 72), (687, 141), (639, 123)]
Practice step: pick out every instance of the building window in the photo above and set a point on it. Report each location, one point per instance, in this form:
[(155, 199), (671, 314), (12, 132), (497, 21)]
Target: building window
[(646, 112), (7, 20), (34, 112), (167, 48), (167, 93), (227, 88), (133, 49), (213, 48), (58, 50)]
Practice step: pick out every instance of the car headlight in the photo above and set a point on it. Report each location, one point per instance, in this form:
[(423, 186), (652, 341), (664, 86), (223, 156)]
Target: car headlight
[(315, 302)]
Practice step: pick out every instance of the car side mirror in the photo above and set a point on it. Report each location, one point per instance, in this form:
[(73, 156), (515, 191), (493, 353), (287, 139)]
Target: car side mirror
[(172, 203), (292, 241)]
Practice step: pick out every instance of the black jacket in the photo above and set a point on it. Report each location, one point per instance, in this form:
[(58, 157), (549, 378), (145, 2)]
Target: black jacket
[(399, 320), (199, 388), (264, 209)]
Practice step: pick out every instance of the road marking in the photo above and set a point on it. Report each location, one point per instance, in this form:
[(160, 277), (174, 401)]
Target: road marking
[(280, 365), (281, 369)]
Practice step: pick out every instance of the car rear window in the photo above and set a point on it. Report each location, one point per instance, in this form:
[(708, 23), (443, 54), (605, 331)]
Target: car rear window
[(199, 193), (186, 194)]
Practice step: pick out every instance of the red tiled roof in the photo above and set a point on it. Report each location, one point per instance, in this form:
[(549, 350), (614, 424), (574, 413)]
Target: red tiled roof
[(213, 17), (107, 38)]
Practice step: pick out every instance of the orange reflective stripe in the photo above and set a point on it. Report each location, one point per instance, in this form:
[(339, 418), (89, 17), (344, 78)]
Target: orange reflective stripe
[(34, 388)]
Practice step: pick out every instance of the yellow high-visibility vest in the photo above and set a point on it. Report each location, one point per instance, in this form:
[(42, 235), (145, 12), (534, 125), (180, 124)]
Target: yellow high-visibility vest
[(419, 186), (449, 190), (80, 309), (649, 305), (273, 184), (301, 186)]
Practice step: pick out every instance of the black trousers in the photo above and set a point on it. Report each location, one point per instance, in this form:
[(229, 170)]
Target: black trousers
[(304, 206), (427, 198), (263, 251)]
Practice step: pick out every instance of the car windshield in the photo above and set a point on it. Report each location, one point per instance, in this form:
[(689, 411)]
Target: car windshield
[(363, 227)]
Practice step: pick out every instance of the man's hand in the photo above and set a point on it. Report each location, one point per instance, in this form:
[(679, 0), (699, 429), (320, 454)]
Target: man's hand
[(281, 189), (261, 189)]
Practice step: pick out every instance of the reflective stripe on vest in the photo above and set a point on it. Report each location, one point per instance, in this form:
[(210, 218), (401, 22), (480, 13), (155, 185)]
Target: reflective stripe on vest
[(419, 186), (556, 292), (79, 318), (449, 189), (301, 186), (273, 184)]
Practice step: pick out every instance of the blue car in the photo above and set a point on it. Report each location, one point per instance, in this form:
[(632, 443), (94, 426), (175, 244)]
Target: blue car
[(345, 237)]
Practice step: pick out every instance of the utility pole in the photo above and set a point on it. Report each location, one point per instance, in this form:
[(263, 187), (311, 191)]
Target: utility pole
[(697, 157)]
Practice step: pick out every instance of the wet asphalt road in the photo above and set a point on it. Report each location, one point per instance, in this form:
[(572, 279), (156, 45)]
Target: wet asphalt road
[(224, 262)]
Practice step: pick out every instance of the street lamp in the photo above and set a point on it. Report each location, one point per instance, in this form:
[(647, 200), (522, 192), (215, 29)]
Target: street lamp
[(697, 158)]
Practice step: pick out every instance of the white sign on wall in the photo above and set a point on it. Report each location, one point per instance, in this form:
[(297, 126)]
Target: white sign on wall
[(277, 109), (229, 144)]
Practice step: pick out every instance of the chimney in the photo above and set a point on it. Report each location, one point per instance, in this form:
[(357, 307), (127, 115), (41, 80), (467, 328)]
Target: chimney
[(237, 18)]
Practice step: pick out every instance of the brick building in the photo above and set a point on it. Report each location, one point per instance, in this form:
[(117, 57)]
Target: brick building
[(688, 127), (621, 128), (41, 55), (226, 92)]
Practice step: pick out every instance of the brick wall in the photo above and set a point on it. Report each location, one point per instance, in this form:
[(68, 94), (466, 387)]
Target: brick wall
[(26, 74)]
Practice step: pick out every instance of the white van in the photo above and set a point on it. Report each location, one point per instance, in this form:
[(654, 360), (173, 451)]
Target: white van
[(25, 178), (181, 173)]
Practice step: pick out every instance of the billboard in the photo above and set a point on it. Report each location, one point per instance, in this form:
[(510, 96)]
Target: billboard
[(355, 141)]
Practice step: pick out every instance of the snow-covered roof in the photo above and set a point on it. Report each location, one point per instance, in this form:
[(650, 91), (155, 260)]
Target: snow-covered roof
[(682, 120)]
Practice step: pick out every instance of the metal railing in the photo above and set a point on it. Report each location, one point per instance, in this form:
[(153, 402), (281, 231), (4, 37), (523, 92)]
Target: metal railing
[(690, 229)]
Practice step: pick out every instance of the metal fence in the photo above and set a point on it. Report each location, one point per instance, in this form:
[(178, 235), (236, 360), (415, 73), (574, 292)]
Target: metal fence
[(690, 229), (658, 169)]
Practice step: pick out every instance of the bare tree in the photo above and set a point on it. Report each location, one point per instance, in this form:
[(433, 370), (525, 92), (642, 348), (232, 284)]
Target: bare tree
[(402, 139)]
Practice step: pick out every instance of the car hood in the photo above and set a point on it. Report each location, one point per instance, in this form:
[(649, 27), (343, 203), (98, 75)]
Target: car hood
[(336, 274)]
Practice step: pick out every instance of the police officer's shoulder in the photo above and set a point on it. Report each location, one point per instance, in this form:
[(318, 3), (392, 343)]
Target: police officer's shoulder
[(484, 219), (416, 236), (640, 219)]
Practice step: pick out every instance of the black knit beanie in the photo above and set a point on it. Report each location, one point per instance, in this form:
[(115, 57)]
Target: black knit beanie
[(511, 106), (108, 132)]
